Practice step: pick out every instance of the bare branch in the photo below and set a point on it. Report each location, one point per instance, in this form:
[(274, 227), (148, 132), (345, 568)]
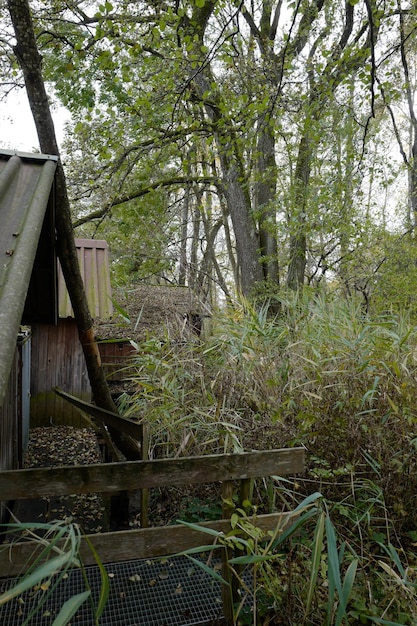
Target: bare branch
[(139, 193)]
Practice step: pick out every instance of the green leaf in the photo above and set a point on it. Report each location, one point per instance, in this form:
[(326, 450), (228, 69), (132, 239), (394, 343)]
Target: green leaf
[(200, 549), (249, 559), (316, 559), (69, 608), (122, 312), (334, 580), (379, 620), (294, 527), (105, 585), (234, 520), (43, 572), (203, 529), (209, 570), (307, 502), (348, 581)]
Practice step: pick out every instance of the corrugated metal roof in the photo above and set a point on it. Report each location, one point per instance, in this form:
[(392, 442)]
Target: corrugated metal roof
[(93, 257), (25, 187)]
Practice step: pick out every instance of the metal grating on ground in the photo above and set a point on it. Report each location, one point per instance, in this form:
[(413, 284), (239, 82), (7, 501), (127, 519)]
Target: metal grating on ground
[(169, 592)]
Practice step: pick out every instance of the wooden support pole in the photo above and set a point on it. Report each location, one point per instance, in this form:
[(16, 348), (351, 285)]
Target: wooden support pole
[(230, 590), (144, 493)]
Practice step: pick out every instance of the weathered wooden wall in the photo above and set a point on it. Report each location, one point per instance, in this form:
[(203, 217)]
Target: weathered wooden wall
[(14, 413), (57, 361)]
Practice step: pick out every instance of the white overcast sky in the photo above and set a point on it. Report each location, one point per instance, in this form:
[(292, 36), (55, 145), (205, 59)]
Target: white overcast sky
[(17, 129)]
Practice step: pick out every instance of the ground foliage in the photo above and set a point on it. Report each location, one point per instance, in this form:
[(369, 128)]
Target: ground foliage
[(323, 374)]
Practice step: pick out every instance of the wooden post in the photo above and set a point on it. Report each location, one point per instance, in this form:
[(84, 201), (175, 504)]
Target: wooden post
[(144, 493), (229, 591), (244, 492)]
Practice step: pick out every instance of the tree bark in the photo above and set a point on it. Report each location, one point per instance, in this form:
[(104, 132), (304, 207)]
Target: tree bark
[(233, 183), (265, 195), (30, 62), (298, 236)]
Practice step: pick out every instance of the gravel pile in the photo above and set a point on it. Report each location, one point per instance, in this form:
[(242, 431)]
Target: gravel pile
[(63, 445)]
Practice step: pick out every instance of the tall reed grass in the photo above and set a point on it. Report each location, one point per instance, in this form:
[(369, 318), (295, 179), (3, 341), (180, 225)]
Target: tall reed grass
[(323, 374)]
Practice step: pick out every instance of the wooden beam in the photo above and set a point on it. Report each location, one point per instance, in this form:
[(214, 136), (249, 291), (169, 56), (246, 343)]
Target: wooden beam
[(136, 544), (113, 420), (132, 475)]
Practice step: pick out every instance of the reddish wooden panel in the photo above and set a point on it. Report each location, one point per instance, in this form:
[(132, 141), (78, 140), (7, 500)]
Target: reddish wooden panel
[(57, 361), (116, 359), (9, 453)]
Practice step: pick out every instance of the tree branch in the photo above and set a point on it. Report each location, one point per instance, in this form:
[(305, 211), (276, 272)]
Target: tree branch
[(139, 193)]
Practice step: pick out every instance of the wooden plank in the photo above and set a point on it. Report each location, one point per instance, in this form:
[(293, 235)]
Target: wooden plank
[(144, 493), (121, 424), (49, 369), (132, 475), (136, 544)]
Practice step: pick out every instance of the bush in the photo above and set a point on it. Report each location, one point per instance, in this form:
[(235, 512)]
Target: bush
[(323, 374)]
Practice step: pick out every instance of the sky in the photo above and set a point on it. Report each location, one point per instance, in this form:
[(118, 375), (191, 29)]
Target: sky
[(17, 128)]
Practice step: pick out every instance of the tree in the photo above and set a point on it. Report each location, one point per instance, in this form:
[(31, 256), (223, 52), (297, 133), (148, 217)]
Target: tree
[(250, 86), (393, 89)]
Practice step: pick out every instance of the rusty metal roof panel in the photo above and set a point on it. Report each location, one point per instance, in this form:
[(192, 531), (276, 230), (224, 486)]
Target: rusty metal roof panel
[(26, 182), (93, 257)]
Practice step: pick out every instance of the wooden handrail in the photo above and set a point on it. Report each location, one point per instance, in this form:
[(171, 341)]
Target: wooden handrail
[(132, 475), (149, 542), (125, 545)]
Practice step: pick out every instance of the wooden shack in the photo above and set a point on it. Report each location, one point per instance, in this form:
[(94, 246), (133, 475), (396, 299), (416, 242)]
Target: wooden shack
[(28, 287), (57, 359), (142, 312)]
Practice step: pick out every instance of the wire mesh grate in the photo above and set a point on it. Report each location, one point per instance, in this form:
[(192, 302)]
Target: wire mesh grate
[(167, 592)]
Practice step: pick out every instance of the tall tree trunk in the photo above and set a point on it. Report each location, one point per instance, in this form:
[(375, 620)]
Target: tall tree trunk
[(183, 265), (30, 61), (246, 240), (412, 160), (234, 184), (236, 194), (266, 181), (298, 236), (265, 194)]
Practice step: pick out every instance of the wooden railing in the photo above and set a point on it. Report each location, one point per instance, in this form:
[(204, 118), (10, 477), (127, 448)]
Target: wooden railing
[(233, 471), (133, 475)]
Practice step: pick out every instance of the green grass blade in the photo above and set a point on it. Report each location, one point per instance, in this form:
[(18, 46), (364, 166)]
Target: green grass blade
[(307, 502), (294, 527), (69, 608), (248, 559), (394, 555), (41, 573), (199, 549), (379, 620), (333, 574), (203, 529), (315, 559), (209, 570), (105, 584), (348, 581)]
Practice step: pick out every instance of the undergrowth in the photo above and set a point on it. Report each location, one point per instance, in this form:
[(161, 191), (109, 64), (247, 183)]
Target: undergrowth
[(324, 375)]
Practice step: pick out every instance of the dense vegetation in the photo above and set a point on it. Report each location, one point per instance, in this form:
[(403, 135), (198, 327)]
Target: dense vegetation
[(264, 154), (325, 375)]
